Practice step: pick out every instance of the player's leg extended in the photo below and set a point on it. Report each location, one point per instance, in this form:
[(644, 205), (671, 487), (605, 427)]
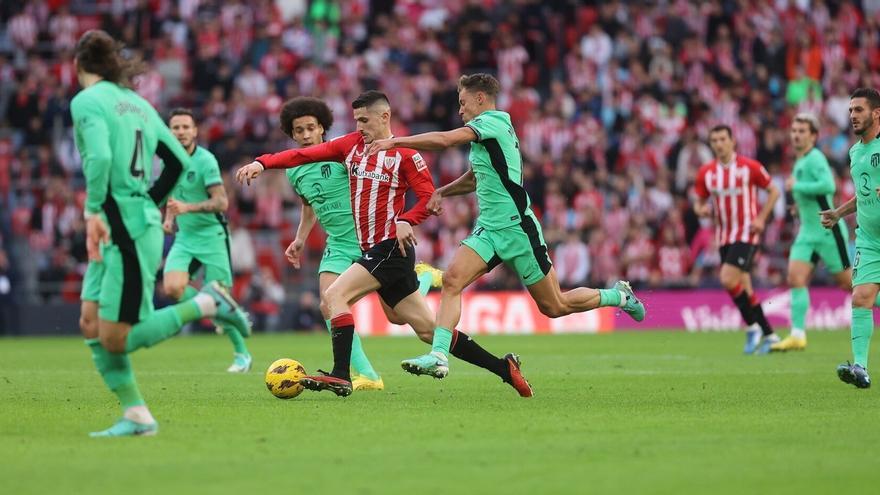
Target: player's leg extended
[(218, 268), (354, 283), (366, 377), (468, 264), (414, 310)]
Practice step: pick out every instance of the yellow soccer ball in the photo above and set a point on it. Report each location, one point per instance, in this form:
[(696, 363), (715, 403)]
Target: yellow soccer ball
[(282, 378)]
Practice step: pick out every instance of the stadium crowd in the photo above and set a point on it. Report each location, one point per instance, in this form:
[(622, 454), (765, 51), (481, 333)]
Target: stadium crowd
[(611, 101)]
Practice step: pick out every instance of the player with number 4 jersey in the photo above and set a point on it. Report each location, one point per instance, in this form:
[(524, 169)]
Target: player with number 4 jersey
[(117, 133)]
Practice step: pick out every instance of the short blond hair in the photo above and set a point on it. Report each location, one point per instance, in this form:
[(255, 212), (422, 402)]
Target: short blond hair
[(809, 119)]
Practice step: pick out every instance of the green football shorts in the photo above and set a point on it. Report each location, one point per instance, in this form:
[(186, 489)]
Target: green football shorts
[(337, 258), (129, 277), (866, 264), (91, 286), (521, 247), (831, 249), (214, 256)]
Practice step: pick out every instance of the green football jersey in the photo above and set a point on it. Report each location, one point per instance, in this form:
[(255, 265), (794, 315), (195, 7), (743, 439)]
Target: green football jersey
[(117, 133), (498, 168), (324, 187), (813, 192), (864, 167), (193, 188)]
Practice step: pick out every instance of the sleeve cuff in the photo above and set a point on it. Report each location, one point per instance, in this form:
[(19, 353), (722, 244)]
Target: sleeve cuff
[(479, 136)]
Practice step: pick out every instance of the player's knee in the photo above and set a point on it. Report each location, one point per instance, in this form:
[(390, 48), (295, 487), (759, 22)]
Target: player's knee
[(174, 291), (729, 280), (88, 326), (113, 341), (863, 298), (795, 280), (453, 281)]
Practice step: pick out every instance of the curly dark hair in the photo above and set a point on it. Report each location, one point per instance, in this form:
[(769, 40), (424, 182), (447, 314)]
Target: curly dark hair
[(98, 53), (303, 106)]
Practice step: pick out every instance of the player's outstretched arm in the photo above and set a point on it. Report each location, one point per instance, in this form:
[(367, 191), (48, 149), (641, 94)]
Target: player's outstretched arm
[(428, 141), (334, 150), (307, 220)]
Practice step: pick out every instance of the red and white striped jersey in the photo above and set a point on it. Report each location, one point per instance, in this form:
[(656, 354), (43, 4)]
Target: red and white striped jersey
[(378, 183), (734, 189)]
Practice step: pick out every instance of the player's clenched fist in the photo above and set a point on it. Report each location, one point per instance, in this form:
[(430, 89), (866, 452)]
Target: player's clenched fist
[(250, 171), (434, 205), (829, 218)]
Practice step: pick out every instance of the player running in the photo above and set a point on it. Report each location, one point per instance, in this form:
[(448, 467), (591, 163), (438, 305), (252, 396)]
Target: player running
[(202, 240), (864, 157), (812, 186), (378, 186), (117, 132), (323, 187), (733, 182), (506, 229)]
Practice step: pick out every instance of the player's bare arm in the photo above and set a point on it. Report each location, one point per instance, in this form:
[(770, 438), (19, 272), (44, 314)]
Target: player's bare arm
[(702, 208), (761, 220), (428, 141), (307, 220), (465, 184), (218, 202), (831, 217)]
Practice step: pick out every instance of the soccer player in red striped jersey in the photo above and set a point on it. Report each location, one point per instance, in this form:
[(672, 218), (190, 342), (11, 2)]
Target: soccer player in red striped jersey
[(378, 187), (732, 181)]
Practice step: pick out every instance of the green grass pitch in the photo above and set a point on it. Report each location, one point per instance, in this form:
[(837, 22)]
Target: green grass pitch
[(660, 412)]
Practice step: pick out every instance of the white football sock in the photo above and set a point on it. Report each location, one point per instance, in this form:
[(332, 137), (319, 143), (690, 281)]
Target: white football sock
[(798, 333), (207, 305)]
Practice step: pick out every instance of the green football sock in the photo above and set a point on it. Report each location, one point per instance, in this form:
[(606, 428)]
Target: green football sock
[(425, 280), (609, 297), (862, 328), (442, 340), (237, 340), (800, 303), (161, 325), (115, 369), (359, 360), (877, 301)]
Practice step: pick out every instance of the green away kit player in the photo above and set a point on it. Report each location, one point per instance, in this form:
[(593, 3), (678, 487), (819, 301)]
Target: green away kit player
[(198, 204), (324, 189), (506, 230), (864, 168), (812, 187), (117, 133)]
